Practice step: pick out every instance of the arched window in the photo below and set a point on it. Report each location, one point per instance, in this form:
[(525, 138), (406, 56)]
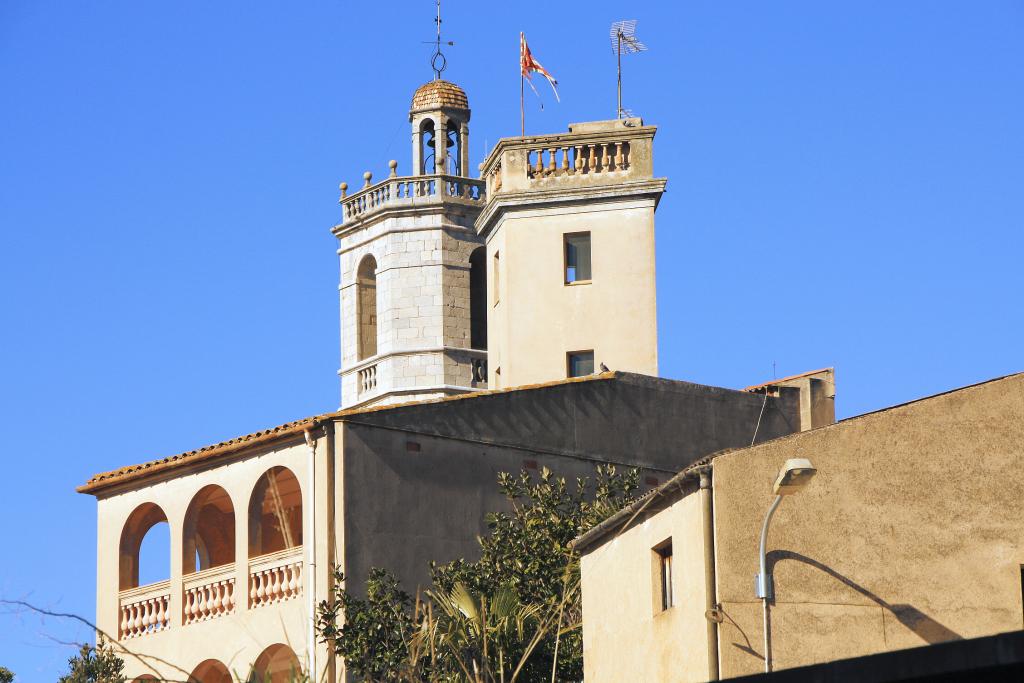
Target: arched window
[(210, 671), (366, 315), (144, 554), (209, 534), (478, 299), (275, 513), (277, 664)]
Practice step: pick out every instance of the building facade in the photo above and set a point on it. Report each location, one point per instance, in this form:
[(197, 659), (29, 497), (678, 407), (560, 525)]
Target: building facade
[(477, 318), (258, 523), (569, 228), (910, 534)]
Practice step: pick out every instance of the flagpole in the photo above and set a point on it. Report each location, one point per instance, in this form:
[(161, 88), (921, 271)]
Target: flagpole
[(522, 109)]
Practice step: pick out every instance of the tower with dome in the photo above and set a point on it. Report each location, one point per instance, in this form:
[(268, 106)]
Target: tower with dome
[(413, 288)]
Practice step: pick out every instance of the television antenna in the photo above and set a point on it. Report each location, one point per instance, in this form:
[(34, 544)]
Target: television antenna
[(624, 40)]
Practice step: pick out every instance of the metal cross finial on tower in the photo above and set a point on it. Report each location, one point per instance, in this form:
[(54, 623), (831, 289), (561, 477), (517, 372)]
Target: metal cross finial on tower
[(438, 61), (623, 35)]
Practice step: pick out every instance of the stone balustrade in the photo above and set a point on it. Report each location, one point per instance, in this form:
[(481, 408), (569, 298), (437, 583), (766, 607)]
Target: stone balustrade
[(397, 191), (275, 577), (144, 610), (583, 159), (367, 379), (208, 594), (590, 154)]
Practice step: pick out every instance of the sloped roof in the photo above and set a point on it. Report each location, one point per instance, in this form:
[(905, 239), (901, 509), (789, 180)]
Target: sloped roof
[(104, 480), (647, 504)]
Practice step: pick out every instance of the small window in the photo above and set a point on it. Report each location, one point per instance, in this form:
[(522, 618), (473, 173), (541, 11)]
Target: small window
[(664, 560), (577, 257), (497, 281), (580, 363)]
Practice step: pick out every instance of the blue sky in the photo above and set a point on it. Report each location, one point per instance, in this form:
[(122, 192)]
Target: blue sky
[(845, 188)]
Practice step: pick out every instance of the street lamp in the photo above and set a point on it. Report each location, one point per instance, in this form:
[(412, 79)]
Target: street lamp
[(793, 477)]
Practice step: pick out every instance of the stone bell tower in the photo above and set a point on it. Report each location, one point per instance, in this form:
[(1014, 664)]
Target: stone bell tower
[(413, 286)]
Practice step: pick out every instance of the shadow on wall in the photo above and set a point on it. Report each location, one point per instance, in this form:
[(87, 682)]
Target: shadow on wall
[(926, 628)]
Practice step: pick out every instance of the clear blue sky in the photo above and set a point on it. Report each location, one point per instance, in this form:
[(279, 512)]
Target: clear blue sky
[(846, 187)]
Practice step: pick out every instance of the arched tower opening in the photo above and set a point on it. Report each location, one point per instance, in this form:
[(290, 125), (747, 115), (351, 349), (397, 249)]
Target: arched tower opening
[(366, 316)]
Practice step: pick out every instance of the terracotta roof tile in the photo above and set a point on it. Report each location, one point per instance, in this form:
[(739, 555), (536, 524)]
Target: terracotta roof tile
[(438, 93)]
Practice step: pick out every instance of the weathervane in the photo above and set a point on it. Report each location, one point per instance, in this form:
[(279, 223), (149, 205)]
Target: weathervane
[(623, 35), (438, 61)]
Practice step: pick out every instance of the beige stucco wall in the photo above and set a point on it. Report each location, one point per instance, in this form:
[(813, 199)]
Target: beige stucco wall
[(625, 635), (235, 639), (538, 318), (910, 534)]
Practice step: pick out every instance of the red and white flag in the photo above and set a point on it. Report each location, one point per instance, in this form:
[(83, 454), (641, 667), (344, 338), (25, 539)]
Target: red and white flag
[(528, 65)]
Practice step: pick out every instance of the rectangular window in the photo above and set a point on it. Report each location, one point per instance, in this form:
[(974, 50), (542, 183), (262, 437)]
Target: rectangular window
[(579, 363), (497, 280), (663, 553), (577, 257)]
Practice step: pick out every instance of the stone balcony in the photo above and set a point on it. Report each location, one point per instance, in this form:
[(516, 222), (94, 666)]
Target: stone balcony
[(593, 161), (406, 193)]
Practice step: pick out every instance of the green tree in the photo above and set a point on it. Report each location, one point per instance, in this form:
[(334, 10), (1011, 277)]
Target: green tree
[(512, 614), (528, 549), (94, 665), (6, 675), (377, 631)]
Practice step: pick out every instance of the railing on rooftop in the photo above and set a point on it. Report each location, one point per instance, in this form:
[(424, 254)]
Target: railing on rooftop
[(144, 610), (409, 191), (599, 153)]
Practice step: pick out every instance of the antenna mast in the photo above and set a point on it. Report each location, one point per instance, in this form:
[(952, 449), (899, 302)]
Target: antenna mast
[(623, 35)]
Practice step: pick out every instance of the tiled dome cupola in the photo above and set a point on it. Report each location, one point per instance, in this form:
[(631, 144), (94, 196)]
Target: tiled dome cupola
[(440, 113), (439, 94)]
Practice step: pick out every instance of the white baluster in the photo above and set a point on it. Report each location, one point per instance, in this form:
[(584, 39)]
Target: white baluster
[(261, 589)]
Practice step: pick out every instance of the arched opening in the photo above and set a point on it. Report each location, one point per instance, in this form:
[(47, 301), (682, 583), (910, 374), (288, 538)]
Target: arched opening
[(478, 299), (208, 539), (366, 314), (210, 671), (277, 664), (275, 513), (144, 678), (427, 161), (144, 554)]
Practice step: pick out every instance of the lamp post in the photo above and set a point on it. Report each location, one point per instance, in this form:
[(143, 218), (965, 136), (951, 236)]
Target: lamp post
[(793, 477)]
